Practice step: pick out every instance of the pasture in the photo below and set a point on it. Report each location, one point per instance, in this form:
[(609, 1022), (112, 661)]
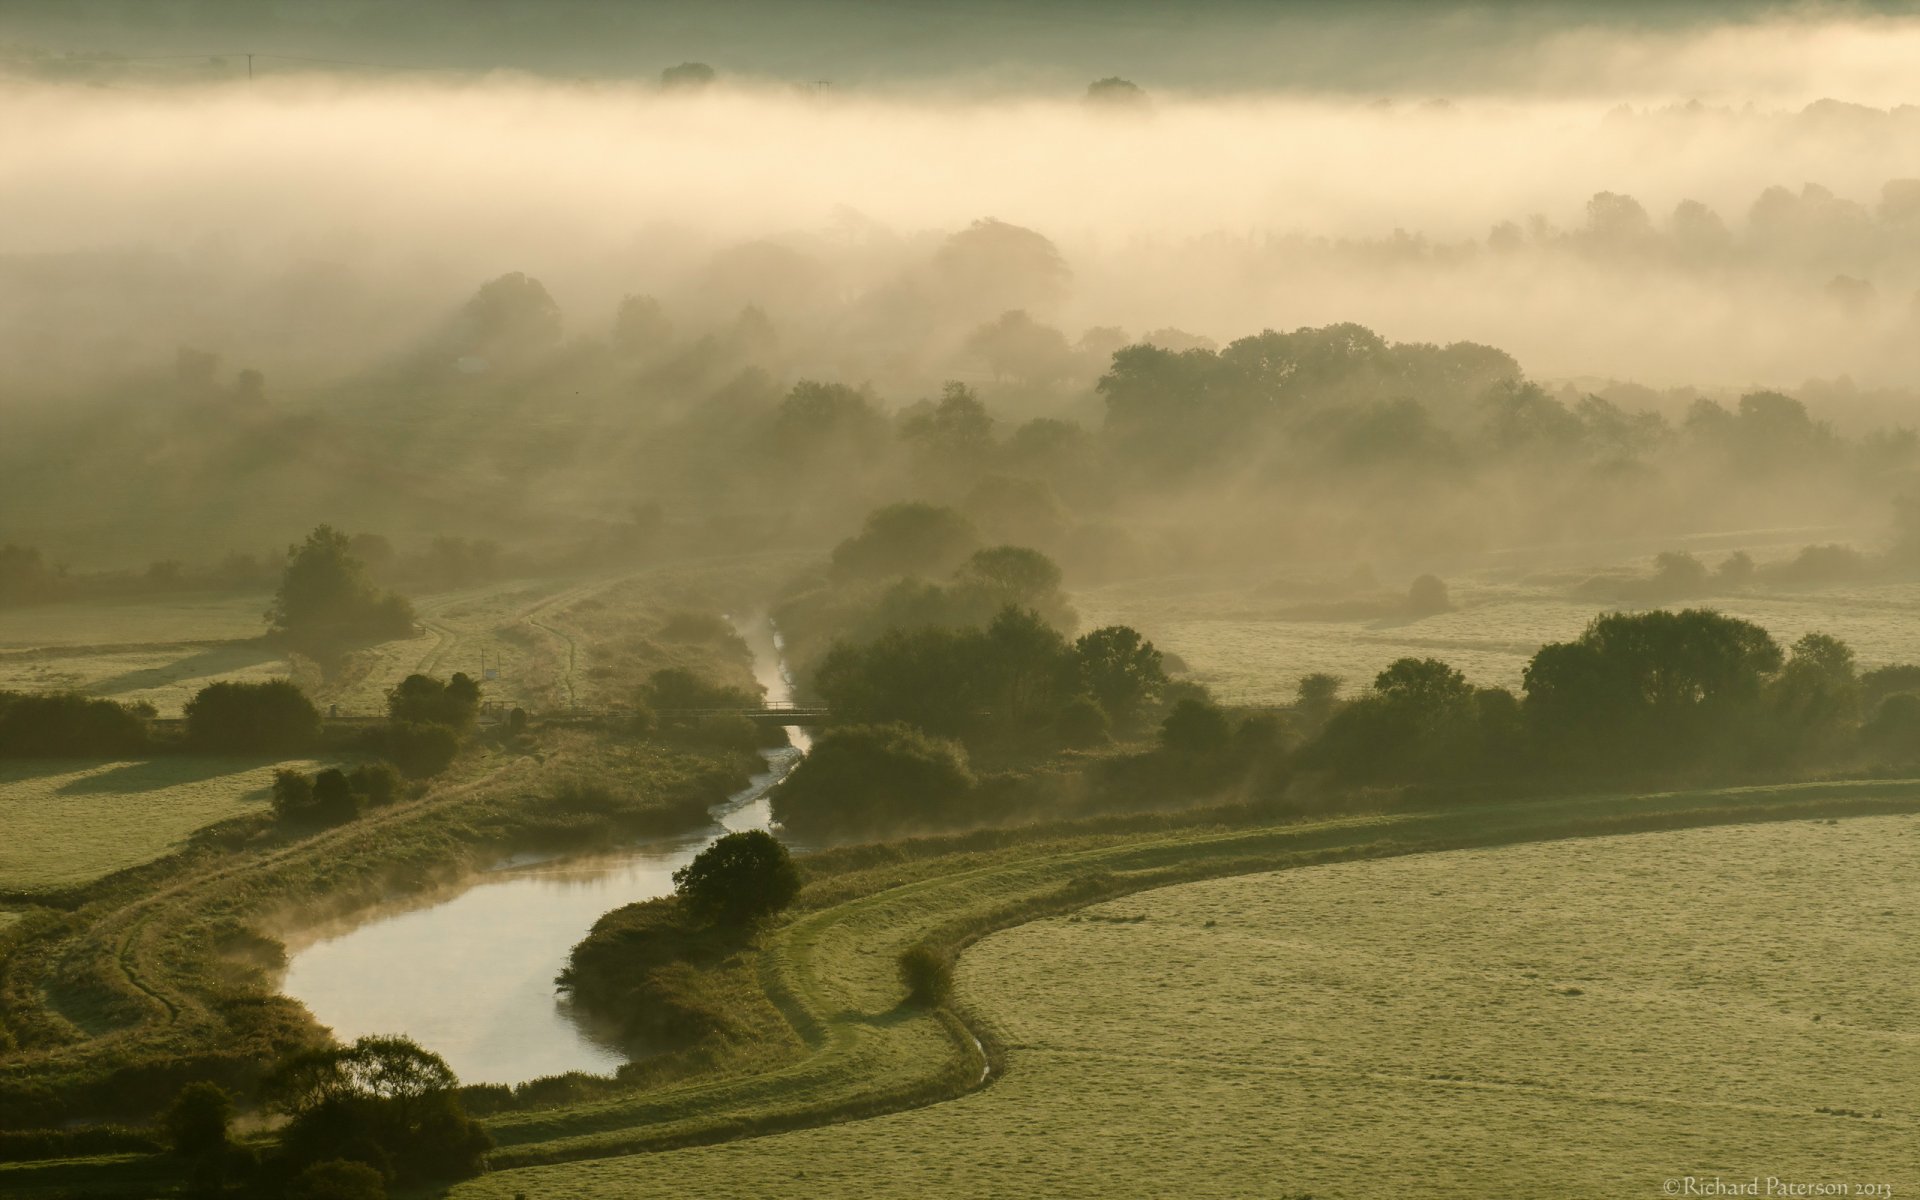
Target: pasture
[(1581, 1017), (69, 823), (1250, 643)]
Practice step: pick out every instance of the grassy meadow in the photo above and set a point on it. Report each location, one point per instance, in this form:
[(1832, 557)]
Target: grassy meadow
[(1587, 1017), (1252, 641), (131, 813)]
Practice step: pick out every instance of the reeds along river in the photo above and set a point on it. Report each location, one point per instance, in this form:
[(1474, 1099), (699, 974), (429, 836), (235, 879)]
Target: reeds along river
[(471, 977)]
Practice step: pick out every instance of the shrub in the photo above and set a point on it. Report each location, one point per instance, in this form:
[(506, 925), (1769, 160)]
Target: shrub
[(196, 1122), (420, 751), (1082, 723), (377, 784), (740, 880), (334, 800), (292, 795), (1196, 728), (338, 1179), (274, 717), (424, 700), (874, 777), (927, 974), (68, 725)]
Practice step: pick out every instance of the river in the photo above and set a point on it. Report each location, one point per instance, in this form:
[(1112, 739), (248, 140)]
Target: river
[(471, 977)]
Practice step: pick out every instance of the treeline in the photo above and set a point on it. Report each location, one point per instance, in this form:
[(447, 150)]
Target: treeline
[(427, 721), (1658, 694), (1689, 697)]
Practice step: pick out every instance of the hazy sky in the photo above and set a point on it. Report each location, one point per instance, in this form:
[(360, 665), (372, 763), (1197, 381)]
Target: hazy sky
[(314, 212)]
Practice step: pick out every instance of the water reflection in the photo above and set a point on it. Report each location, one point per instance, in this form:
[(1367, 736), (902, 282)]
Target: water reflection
[(471, 977)]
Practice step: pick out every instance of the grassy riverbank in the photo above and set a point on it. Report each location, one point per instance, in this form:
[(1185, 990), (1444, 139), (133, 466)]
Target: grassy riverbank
[(831, 968), (1410, 1023)]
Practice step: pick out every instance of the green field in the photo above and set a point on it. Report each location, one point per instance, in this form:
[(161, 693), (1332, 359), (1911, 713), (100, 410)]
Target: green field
[(130, 812), (554, 643), (1586, 1017), (1252, 646)]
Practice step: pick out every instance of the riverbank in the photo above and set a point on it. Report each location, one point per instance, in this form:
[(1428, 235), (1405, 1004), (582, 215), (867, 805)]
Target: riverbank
[(831, 969)]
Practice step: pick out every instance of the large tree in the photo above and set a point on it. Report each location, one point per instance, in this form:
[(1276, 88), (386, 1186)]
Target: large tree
[(327, 603)]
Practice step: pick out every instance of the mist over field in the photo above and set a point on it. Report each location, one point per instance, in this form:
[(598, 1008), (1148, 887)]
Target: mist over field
[(1270, 594), (301, 222)]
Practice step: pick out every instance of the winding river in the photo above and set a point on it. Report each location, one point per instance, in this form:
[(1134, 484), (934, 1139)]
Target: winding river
[(471, 977)]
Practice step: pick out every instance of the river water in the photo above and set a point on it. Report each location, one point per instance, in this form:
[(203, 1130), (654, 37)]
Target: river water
[(471, 977)]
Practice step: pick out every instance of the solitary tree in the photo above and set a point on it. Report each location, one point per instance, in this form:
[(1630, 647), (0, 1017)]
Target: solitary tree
[(196, 1121), (327, 602), (740, 880)]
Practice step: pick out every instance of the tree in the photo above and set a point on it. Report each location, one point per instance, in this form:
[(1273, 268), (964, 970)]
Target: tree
[(334, 800), (196, 1122), (741, 880), (687, 75), (906, 539), (383, 1101), (1427, 596), (1116, 92), (640, 326), (1666, 684), (69, 725), (1195, 729), (1120, 670), (992, 267), (509, 316), (1315, 698), (957, 431), (1816, 699), (327, 602), (1015, 346), (274, 717), (423, 699), (292, 794), (868, 779)]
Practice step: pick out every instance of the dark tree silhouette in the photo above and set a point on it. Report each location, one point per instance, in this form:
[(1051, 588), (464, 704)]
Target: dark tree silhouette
[(274, 717), (906, 539), (327, 602), (742, 880)]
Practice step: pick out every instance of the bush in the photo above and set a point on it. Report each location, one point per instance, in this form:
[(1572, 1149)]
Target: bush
[(377, 784), (196, 1122), (68, 725), (1195, 728), (424, 700), (420, 751), (740, 880), (927, 974), (1083, 724), (338, 1179), (274, 717), (292, 795), (334, 800), (874, 778)]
